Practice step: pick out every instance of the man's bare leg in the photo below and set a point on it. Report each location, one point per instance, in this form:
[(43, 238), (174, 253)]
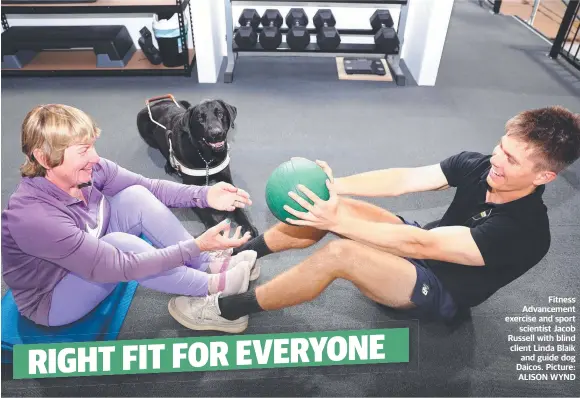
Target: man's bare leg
[(285, 237), (381, 276)]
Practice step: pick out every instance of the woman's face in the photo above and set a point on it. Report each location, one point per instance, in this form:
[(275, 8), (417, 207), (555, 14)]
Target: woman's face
[(77, 166)]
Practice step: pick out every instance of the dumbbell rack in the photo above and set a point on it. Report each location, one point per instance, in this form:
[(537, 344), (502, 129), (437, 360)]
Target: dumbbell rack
[(392, 59)]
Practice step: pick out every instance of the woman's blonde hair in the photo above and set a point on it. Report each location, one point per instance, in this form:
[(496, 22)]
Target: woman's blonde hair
[(53, 128)]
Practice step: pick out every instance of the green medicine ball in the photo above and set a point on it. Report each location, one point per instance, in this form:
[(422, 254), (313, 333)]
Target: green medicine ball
[(286, 178)]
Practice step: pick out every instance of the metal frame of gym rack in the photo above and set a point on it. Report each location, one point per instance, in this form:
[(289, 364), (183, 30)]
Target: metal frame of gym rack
[(393, 60)]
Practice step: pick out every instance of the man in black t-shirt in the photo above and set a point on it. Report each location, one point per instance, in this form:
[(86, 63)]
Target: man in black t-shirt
[(495, 229)]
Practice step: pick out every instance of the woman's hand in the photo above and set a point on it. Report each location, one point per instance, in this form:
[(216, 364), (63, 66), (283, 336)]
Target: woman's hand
[(226, 197), (337, 182), (217, 238), (326, 168), (321, 214)]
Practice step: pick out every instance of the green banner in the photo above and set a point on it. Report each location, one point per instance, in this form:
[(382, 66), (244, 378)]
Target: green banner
[(345, 347)]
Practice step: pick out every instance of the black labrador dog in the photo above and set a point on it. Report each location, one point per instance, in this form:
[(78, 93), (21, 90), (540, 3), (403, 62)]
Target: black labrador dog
[(194, 141)]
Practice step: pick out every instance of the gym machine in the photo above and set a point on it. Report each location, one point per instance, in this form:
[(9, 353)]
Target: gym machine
[(327, 37)]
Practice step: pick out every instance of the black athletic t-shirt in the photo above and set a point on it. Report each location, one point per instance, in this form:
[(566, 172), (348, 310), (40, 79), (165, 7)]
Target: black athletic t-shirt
[(512, 237)]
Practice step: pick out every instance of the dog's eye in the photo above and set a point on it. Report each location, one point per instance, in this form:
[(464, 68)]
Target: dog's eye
[(201, 118), (220, 114)]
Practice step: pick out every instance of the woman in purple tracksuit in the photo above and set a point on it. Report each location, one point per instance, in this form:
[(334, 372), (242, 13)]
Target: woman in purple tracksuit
[(70, 231)]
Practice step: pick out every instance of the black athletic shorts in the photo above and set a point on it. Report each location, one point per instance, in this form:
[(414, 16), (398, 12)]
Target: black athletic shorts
[(429, 295)]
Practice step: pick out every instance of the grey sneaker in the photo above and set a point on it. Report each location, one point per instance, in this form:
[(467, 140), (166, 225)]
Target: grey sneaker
[(202, 313)]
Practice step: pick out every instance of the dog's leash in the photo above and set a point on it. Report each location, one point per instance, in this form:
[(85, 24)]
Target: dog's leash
[(173, 160), (161, 97)]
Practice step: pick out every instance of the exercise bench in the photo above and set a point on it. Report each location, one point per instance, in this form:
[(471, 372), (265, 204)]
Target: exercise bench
[(112, 44)]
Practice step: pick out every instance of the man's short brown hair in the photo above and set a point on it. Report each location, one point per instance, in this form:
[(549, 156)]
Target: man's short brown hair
[(554, 133)]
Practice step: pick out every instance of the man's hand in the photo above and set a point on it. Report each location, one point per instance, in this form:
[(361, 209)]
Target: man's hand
[(217, 238), (323, 215), (226, 197)]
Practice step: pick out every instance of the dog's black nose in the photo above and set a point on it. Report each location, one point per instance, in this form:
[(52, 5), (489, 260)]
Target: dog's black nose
[(216, 134)]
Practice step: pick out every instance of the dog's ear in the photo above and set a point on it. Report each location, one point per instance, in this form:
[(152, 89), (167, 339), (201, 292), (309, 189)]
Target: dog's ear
[(231, 110)]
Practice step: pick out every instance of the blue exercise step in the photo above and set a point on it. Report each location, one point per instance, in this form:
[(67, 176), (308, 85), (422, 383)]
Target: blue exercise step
[(102, 324)]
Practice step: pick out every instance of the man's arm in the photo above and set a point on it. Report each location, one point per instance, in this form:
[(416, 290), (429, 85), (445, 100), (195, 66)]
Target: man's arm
[(452, 244), (111, 178), (393, 182)]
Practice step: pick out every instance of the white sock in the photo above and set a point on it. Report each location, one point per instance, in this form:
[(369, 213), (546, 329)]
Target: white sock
[(223, 264), (234, 281)]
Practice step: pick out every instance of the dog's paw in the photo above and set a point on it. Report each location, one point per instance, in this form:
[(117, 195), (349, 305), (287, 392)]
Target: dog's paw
[(251, 229), (169, 169)]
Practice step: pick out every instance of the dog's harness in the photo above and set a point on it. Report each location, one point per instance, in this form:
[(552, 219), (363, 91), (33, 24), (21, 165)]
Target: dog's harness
[(173, 161)]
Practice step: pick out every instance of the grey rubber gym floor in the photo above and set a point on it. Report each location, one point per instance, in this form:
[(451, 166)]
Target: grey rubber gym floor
[(492, 68)]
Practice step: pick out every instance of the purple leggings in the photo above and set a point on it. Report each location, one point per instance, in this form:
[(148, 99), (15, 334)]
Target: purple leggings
[(134, 211)]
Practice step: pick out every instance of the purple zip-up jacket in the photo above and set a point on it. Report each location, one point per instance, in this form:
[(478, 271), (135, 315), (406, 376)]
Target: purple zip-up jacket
[(46, 233)]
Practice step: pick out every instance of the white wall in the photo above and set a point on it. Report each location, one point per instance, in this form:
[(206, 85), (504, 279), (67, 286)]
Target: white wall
[(208, 40), (427, 22), (425, 34), (425, 31)]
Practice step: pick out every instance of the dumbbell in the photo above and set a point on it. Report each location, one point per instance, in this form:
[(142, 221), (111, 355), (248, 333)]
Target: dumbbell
[(246, 36), (327, 38), (271, 37), (298, 37), (386, 39)]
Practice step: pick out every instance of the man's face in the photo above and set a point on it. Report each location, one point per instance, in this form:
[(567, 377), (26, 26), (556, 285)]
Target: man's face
[(513, 166), (77, 166)]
